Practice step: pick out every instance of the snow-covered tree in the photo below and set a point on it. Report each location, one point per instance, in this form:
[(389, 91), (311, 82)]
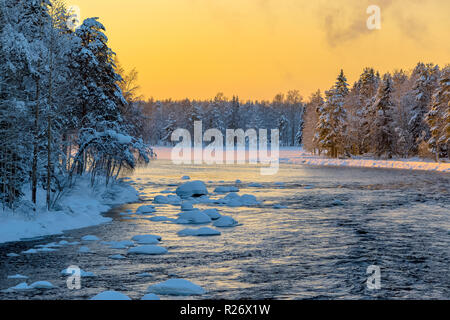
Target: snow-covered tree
[(381, 133), (438, 118), (332, 118), (426, 76)]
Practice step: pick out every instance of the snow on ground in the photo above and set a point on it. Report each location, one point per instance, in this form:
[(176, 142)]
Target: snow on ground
[(176, 287), (296, 156), (81, 207)]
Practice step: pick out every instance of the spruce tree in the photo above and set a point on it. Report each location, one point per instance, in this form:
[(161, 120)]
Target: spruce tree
[(381, 125), (438, 118)]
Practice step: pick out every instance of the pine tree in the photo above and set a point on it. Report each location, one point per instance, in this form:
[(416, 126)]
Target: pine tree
[(426, 76), (15, 63), (381, 125), (332, 120), (438, 118)]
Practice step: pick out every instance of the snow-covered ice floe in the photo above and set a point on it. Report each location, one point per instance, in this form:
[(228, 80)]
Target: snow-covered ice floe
[(12, 255), (110, 295), (17, 276), (150, 296), (144, 275), (226, 189), (192, 189), (148, 249), (146, 236), (187, 206), (212, 213), (160, 219), (145, 209), (201, 232), (235, 200), (193, 217), (176, 287), (255, 185), (84, 249), (185, 178), (225, 222), (169, 199), (147, 239), (124, 244)]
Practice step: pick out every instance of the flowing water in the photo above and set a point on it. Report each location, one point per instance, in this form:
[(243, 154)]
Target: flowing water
[(312, 248)]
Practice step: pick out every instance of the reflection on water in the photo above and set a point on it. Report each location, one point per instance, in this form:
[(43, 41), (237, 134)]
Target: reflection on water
[(335, 223)]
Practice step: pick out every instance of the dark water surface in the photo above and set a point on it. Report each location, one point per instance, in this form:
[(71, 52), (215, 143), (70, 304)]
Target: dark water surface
[(313, 249)]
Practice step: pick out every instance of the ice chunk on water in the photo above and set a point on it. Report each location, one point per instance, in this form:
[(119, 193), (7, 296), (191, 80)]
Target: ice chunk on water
[(176, 287), (226, 189), (84, 250), (147, 239), (212, 213), (17, 276), (145, 209), (110, 295), (192, 189), (170, 199), (225, 222), (146, 236), (42, 285), (148, 249), (150, 296), (117, 257), (201, 232), (193, 217)]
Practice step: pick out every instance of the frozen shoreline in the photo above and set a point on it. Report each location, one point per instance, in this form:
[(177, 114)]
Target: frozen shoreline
[(292, 156), (82, 207), (295, 155)]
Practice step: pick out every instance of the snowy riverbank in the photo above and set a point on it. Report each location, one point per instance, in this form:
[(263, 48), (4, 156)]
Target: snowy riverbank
[(295, 155), (80, 208)]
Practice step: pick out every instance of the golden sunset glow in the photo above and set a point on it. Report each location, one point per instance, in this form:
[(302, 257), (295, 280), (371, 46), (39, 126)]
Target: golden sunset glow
[(257, 48)]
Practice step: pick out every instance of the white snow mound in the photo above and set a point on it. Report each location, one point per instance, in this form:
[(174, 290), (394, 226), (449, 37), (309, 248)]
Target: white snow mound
[(176, 287), (192, 189)]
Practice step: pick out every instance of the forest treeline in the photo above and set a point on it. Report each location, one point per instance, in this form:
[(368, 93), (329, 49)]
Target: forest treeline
[(64, 106), (399, 114)]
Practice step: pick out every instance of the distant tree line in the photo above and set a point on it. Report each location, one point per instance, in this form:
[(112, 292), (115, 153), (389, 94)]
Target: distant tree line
[(285, 113), (65, 109), (395, 115)]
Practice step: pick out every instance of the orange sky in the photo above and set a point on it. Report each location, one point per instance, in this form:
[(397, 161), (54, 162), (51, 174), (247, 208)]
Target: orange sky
[(257, 48)]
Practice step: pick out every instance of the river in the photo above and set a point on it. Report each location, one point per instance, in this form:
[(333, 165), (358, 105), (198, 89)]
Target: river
[(332, 224)]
